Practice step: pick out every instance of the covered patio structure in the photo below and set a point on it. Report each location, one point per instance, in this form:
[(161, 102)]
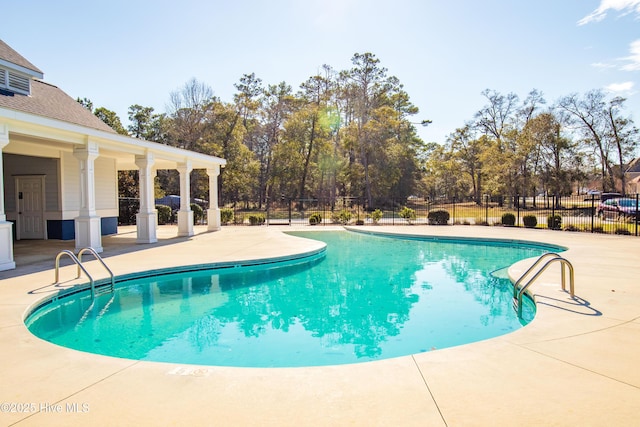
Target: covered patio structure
[(59, 167)]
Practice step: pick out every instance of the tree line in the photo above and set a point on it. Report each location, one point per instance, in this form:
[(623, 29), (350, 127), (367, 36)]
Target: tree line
[(352, 133), (513, 147)]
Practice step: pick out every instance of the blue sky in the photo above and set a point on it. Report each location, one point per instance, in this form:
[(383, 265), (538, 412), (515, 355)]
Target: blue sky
[(120, 53)]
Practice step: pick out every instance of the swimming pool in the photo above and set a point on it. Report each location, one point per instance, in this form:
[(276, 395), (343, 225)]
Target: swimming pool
[(367, 297)]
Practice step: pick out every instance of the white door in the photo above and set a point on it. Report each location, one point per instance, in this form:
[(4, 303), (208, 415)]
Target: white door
[(30, 223)]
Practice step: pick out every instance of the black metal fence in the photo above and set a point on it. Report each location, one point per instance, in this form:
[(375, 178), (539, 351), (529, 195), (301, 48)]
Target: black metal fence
[(128, 207), (606, 213), (587, 213)]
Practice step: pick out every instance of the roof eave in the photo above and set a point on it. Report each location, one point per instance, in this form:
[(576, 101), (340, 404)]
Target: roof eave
[(28, 71), (43, 127)]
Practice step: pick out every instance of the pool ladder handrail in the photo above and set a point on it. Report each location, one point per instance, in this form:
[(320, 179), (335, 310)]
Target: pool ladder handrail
[(81, 268), (99, 258), (518, 293)]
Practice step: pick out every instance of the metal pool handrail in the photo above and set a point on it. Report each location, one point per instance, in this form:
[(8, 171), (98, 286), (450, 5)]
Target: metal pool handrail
[(80, 267), (538, 261), (555, 257), (99, 258), (78, 261)]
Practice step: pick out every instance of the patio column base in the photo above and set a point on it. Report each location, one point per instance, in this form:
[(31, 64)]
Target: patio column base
[(213, 219), (88, 233), (6, 246), (185, 223), (146, 227)]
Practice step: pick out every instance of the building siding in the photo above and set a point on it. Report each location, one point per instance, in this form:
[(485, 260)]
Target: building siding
[(106, 184), (15, 165)]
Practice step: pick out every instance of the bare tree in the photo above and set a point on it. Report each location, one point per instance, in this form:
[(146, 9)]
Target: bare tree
[(188, 110), (496, 120), (494, 117), (623, 135), (556, 152), (589, 119)]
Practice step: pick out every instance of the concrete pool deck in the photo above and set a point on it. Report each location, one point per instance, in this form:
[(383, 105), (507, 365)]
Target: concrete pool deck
[(575, 364)]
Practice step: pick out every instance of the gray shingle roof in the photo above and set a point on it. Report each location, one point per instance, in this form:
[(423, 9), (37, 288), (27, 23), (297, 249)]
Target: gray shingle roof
[(45, 100), (49, 101), (10, 55)]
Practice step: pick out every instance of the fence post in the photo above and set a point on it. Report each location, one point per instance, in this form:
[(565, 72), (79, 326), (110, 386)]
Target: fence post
[(324, 211), (518, 209), (593, 210), (553, 213), (636, 217), (454, 210), (289, 210), (267, 211), (486, 209), (393, 212)]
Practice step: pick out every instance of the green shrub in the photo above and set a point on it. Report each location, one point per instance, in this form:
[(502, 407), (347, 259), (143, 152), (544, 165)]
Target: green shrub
[(238, 219), (439, 217), (164, 214), (376, 216), (530, 221), (256, 219), (554, 222), (315, 218), (341, 217), (226, 215), (408, 214), (508, 219), (198, 212)]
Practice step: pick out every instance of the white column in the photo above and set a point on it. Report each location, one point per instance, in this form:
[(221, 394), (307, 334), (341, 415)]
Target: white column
[(185, 214), (87, 224), (6, 227), (147, 217), (213, 213)]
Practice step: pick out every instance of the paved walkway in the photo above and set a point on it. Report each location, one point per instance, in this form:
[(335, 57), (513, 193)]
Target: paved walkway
[(575, 364)]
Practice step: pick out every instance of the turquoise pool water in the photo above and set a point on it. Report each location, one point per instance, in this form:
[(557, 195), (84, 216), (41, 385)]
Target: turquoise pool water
[(368, 297)]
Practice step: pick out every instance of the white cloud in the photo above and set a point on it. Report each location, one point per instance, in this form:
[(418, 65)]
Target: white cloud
[(634, 58), (602, 65), (625, 87), (625, 6)]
